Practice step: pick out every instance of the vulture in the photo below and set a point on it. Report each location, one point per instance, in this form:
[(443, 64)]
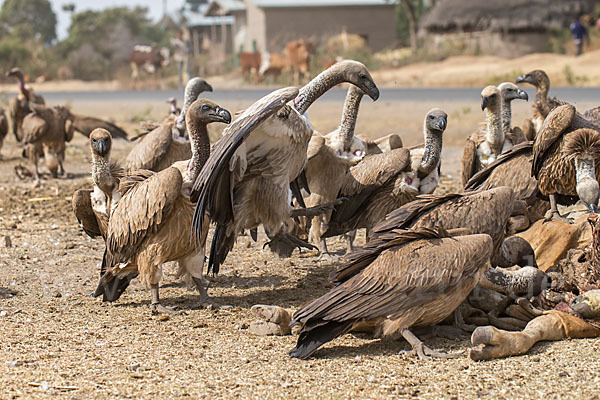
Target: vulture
[(593, 115), (246, 181), (151, 223), (380, 183), (484, 212), (566, 157), (328, 160), (92, 208), (486, 144), (3, 128), (45, 132), (172, 102), (542, 105), (167, 143), (513, 168), (509, 92), (18, 107), (418, 278), (86, 125)]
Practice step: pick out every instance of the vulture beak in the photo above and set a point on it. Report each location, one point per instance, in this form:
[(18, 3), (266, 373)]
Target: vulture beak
[(101, 147), (522, 79), (372, 91), (224, 115), (593, 208), (207, 87), (523, 95), (440, 124), (484, 103)]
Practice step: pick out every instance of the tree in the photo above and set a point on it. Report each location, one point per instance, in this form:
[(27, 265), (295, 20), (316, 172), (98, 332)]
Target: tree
[(37, 15), (408, 15)]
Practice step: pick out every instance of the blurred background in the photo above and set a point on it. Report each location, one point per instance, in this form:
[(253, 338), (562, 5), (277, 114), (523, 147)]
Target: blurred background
[(160, 43)]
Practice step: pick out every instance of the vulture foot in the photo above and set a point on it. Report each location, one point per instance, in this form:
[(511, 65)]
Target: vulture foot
[(327, 257), (317, 210), (555, 216), (283, 244), (424, 352), (205, 300), (460, 323)]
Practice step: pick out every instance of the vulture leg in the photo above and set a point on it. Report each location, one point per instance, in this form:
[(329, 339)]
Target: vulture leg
[(34, 157), (193, 265), (158, 308), (317, 210), (205, 300), (554, 214), (459, 321), (350, 236), (424, 352), (283, 244)]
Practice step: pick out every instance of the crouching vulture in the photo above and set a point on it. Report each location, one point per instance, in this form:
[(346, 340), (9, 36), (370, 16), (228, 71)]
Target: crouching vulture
[(246, 181), (45, 132), (566, 156), (151, 223), (418, 278)]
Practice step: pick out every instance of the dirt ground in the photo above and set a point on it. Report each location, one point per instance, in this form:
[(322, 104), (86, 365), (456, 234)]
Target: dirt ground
[(56, 341)]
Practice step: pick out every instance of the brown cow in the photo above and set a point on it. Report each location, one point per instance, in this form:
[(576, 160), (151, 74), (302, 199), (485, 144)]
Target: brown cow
[(151, 58), (298, 54), (274, 64), (250, 62)]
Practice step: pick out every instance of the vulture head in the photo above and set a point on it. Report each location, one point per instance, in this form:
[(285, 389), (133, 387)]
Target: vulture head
[(537, 78), (509, 92), (583, 147), (193, 88), (357, 74), (436, 121), (15, 72), (205, 111), (490, 98), (587, 304), (100, 142)]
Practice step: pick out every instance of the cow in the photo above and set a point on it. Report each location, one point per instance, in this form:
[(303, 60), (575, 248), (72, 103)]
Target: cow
[(250, 62), (151, 58), (297, 53), (273, 64)]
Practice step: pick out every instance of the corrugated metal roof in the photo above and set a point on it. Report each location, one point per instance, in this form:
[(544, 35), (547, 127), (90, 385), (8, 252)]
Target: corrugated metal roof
[(197, 18), (320, 3), (231, 5)]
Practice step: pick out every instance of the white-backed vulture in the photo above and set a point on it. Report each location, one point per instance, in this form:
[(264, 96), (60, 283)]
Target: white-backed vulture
[(380, 183), (479, 212), (418, 278), (45, 132), (167, 143), (489, 141), (172, 102), (86, 125), (328, 160), (92, 208), (542, 105), (593, 115), (251, 187), (566, 156), (151, 223), (3, 128), (513, 168), (509, 92), (382, 144), (18, 106)]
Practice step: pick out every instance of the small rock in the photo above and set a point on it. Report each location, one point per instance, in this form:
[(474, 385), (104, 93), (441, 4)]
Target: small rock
[(7, 241), (44, 386), (563, 374), (69, 246), (3, 313), (57, 294)]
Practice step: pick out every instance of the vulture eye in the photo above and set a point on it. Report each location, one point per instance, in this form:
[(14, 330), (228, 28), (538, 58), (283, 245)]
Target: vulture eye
[(431, 117), (93, 140), (206, 107), (362, 76)]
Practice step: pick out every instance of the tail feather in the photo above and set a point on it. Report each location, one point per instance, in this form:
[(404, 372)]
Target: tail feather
[(110, 286), (311, 339), (221, 246)]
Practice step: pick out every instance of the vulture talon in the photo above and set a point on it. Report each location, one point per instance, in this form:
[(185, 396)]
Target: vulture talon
[(424, 352)]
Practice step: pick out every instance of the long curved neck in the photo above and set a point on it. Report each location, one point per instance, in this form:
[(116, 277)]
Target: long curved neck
[(22, 88), (432, 153), (189, 96), (494, 134), (317, 87), (349, 116), (506, 116), (200, 143), (541, 97)]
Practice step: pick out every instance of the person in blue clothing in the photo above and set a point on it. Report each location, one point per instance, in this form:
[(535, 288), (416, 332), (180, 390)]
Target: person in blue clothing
[(579, 32)]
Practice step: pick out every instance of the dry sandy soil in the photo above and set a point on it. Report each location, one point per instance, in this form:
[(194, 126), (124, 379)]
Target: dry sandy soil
[(56, 341)]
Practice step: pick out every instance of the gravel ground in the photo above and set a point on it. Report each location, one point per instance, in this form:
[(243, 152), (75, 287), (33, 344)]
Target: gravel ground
[(56, 341)]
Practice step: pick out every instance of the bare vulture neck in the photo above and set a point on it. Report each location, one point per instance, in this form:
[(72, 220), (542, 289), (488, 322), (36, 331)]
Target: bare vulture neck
[(189, 96), (494, 134), (432, 153), (317, 87), (506, 116), (349, 116), (101, 175), (200, 143)]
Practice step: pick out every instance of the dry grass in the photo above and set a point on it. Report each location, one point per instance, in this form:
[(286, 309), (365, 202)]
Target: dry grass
[(58, 341)]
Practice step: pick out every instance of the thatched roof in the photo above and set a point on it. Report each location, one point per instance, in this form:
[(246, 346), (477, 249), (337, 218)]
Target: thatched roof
[(504, 16)]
